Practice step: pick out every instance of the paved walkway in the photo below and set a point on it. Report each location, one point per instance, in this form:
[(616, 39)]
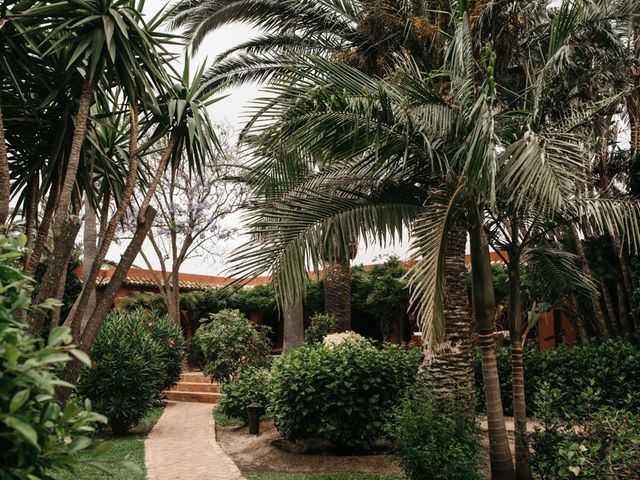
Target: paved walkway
[(182, 446)]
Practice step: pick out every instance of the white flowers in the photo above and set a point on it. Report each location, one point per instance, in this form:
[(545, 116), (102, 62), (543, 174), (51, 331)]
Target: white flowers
[(338, 338)]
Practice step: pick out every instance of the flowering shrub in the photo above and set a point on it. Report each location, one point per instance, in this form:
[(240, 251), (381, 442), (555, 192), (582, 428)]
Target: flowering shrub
[(172, 344), (334, 339)]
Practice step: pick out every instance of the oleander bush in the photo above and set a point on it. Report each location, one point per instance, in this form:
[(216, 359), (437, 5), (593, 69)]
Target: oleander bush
[(604, 444), (128, 370), (341, 393), (320, 325), (172, 344), (608, 368), (36, 433), (432, 441), (229, 343), (250, 385)]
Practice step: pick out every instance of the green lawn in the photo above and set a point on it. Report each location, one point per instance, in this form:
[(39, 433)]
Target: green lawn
[(129, 449), (322, 476)]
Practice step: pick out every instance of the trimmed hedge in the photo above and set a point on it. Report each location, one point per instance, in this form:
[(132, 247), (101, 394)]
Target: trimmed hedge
[(341, 393), (609, 368)]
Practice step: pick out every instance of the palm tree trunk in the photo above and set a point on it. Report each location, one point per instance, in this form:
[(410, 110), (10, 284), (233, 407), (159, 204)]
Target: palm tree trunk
[(43, 230), (76, 315), (5, 187), (82, 115), (293, 329), (73, 368), (31, 215), (449, 364), (162, 165), (613, 324), (484, 309), (89, 256), (337, 293), (62, 283), (516, 326), (625, 269), (623, 313), (595, 296)]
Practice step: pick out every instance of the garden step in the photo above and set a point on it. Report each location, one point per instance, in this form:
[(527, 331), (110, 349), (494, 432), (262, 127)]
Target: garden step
[(196, 387), (200, 397), (194, 377)]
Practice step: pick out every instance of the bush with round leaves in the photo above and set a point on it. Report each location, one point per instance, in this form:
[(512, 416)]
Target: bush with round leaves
[(229, 343), (127, 370), (320, 325), (172, 344), (342, 393), (250, 385), (435, 441), (36, 434)]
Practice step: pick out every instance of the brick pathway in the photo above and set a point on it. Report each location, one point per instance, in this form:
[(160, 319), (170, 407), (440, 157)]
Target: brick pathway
[(182, 446)]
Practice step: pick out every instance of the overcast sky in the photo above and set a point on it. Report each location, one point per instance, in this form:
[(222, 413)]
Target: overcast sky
[(232, 109)]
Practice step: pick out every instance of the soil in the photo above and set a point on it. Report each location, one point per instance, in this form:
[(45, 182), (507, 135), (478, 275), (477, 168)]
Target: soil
[(269, 452)]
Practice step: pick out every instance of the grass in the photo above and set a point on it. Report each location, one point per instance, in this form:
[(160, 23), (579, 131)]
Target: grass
[(225, 421), (124, 461), (322, 476)]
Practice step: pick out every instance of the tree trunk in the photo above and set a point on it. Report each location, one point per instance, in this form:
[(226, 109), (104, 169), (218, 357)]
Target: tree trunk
[(450, 364), (595, 296), (162, 165), (62, 283), (80, 128), (625, 269), (613, 324), (484, 310), (516, 326), (175, 293), (50, 281), (73, 368), (30, 218), (89, 256), (623, 314), (293, 330), (337, 293), (5, 186), (75, 316), (43, 230)]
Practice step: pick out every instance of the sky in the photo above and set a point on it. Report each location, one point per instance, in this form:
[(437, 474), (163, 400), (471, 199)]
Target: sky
[(232, 110)]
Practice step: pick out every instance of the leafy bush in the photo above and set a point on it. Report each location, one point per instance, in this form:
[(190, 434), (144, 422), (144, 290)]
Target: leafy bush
[(342, 393), (435, 442), (35, 433), (149, 302), (607, 368), (195, 357), (229, 343), (127, 372), (248, 386), (172, 344), (606, 444), (320, 325)]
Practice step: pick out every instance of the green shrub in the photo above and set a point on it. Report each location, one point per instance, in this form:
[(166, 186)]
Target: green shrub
[(342, 393), (36, 435), (250, 385), (229, 343), (172, 344), (606, 444), (435, 442), (127, 372), (609, 368), (195, 357), (151, 303), (320, 325)]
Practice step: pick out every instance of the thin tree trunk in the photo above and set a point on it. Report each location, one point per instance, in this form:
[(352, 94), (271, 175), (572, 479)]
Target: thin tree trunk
[(62, 283), (625, 269), (75, 316), (623, 314), (162, 165), (79, 131), (595, 296), (50, 281), (450, 364), (43, 230), (5, 186), (73, 368), (293, 329), (613, 324), (484, 310), (89, 256), (577, 322), (337, 293), (516, 326), (30, 220), (175, 292)]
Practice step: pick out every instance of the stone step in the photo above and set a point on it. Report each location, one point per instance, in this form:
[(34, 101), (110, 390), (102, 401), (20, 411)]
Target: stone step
[(200, 397), (194, 377), (196, 387)]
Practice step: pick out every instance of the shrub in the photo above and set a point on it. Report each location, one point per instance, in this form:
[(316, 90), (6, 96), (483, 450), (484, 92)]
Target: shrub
[(229, 342), (334, 339), (320, 326), (248, 386), (172, 344), (127, 372), (343, 394), (195, 357), (435, 442), (36, 434), (607, 368), (606, 444)]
